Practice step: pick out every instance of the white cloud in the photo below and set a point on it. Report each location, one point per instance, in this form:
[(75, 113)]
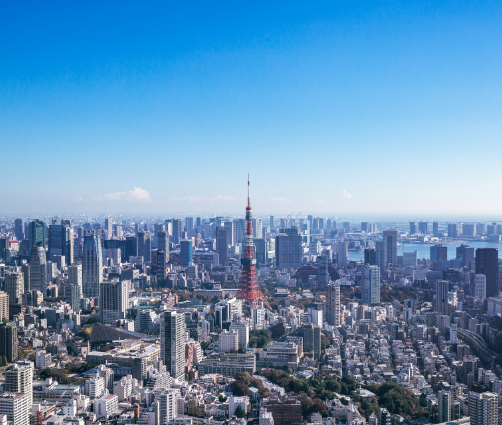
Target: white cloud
[(202, 200), (346, 194), (135, 195)]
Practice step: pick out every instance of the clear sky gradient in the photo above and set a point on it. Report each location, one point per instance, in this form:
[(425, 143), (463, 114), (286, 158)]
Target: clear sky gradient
[(340, 108)]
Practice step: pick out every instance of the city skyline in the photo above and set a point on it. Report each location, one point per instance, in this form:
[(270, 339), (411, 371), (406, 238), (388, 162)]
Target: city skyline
[(333, 108)]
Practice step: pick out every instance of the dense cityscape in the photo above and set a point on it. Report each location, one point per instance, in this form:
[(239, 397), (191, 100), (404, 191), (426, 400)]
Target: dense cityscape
[(229, 320)]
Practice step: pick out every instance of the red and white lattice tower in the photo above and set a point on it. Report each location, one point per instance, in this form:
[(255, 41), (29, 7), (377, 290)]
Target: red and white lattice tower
[(249, 290)]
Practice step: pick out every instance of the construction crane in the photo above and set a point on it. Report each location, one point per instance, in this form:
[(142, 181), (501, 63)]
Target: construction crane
[(294, 218), (51, 409)]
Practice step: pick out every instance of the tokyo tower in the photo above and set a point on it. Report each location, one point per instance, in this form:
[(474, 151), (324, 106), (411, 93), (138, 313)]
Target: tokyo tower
[(249, 290)]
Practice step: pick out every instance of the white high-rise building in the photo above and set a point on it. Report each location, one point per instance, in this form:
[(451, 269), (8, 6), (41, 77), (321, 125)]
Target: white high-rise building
[(228, 341), (453, 333), (258, 318), (242, 330), (266, 418), (19, 379), (106, 406), (257, 228), (43, 359), (94, 387), (341, 254), (172, 343), (167, 404), (483, 408), (370, 287), (333, 304), (16, 407), (480, 286)]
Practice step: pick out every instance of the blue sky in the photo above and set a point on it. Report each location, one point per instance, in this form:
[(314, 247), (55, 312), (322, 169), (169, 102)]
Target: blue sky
[(341, 108)]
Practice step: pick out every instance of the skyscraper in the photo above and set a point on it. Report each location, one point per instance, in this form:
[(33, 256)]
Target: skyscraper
[(435, 228), (37, 233), (413, 227), (487, 264), (109, 228), (222, 244), (73, 296), (341, 254), (423, 227), (483, 408), (92, 266), (185, 253), (16, 407), (14, 286), (158, 266), (163, 242), (75, 275), (172, 343), (144, 244), (288, 248), (177, 229), (381, 255), (370, 256), (480, 286), (113, 301), (333, 304), (61, 241), (8, 341), (465, 254), (4, 306), (439, 253), (390, 239), (19, 379), (442, 288), (370, 287), (131, 247), (365, 226), (19, 229), (189, 226), (271, 222), (453, 230), (38, 270), (323, 275), (257, 228), (444, 406)]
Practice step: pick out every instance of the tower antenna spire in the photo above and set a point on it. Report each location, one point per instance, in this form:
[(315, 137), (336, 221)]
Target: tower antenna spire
[(249, 197)]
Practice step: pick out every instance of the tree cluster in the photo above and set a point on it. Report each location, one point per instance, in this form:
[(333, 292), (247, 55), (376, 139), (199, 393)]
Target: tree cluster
[(259, 338), (242, 382)]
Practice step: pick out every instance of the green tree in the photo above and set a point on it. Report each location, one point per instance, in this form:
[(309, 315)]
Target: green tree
[(239, 412)]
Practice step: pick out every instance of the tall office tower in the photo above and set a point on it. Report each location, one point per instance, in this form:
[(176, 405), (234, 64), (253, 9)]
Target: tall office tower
[(163, 243), (38, 270), (439, 252), (14, 286), (341, 254), (144, 244), (61, 242), (230, 232), (381, 255), (136, 228), (260, 251), (423, 227), (73, 296), (315, 224), (272, 222), (4, 243), (166, 410), (198, 221), (288, 248), (370, 256), (239, 226), (413, 227), (469, 229), (92, 266), (113, 301), (480, 229), (189, 226), (480, 286), (321, 223), (26, 276), (131, 247), (185, 253), (310, 219), (323, 275), (442, 288), (312, 339), (444, 406), (177, 229), (109, 228), (68, 242), (8, 341), (453, 230), (465, 254), (364, 226), (333, 304), (435, 228), (328, 224), (19, 229), (172, 343), (483, 408), (159, 265), (346, 226), (19, 379), (75, 275), (15, 406), (222, 244), (487, 264), (490, 229), (257, 228), (249, 290), (4, 306), (390, 239), (370, 286), (37, 233)]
